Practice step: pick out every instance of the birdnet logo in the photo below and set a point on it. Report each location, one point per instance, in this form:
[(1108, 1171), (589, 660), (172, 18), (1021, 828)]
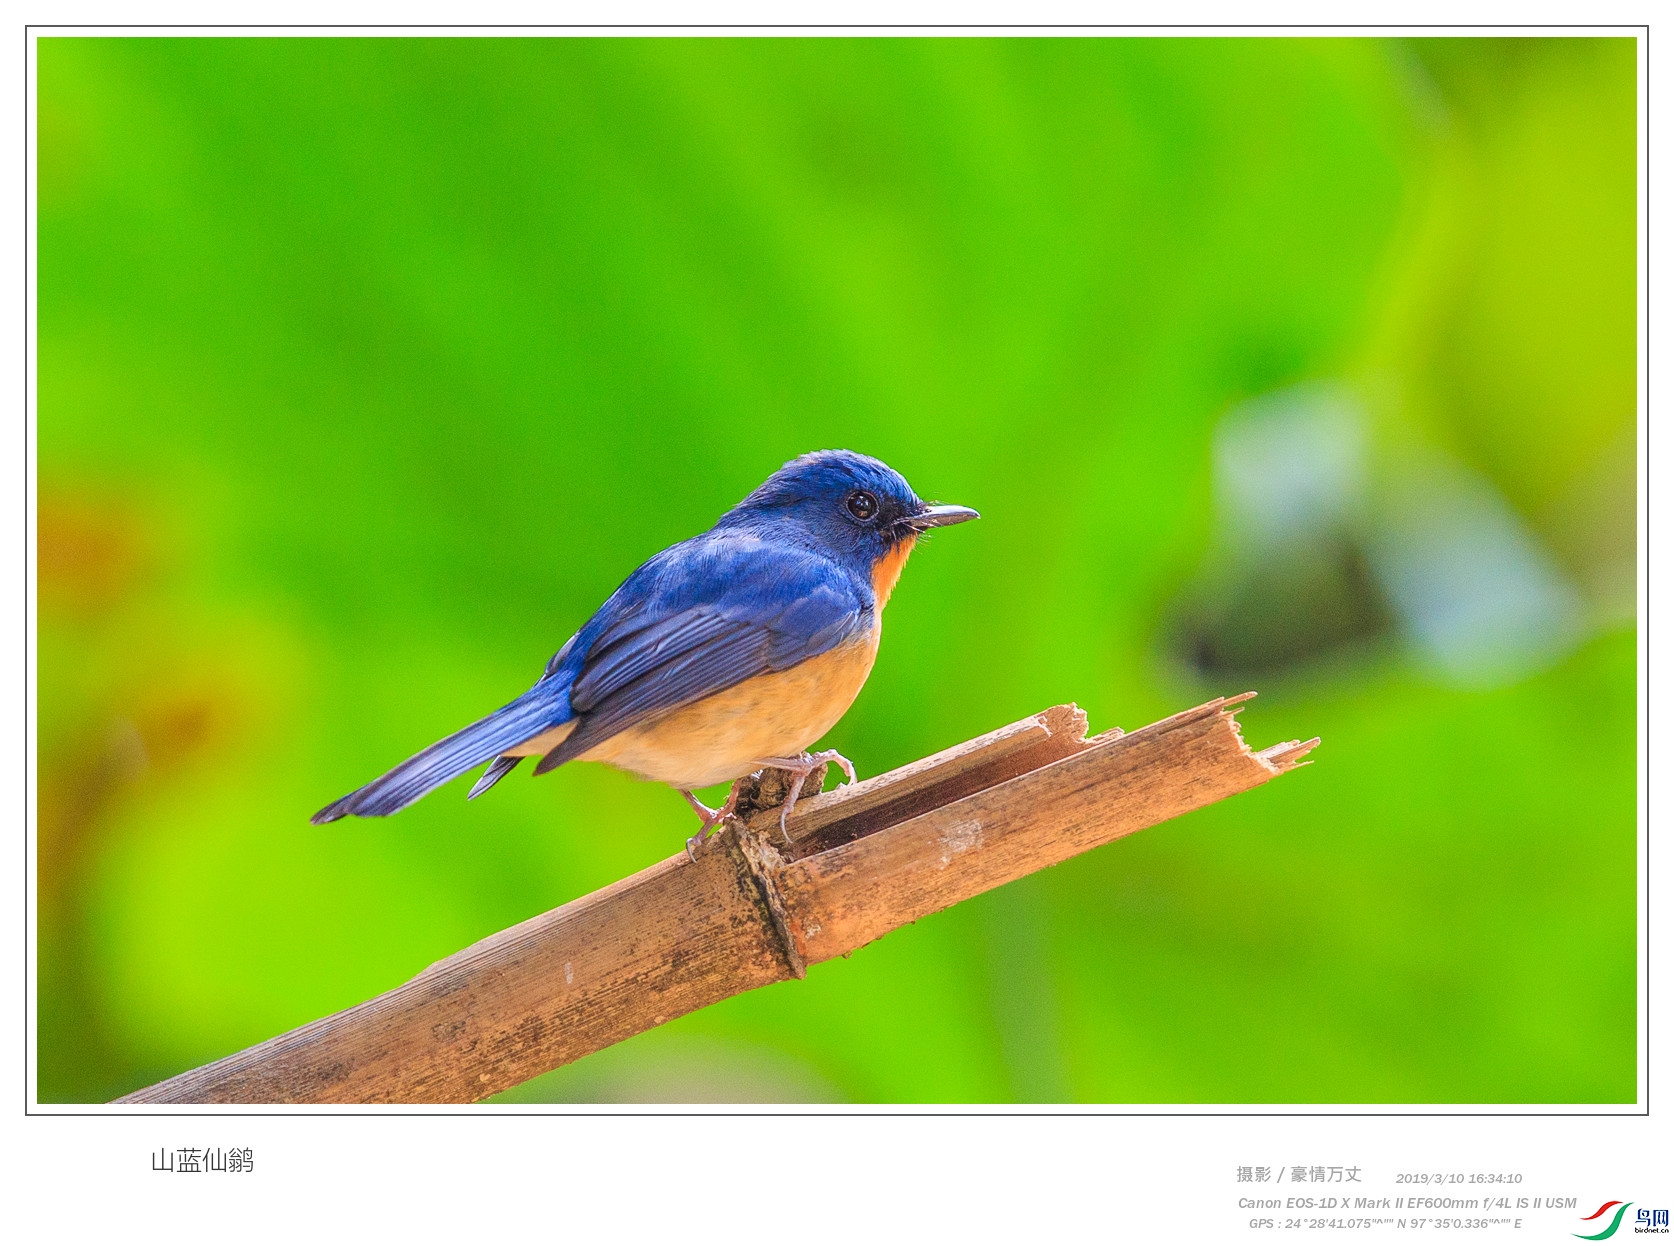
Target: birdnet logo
[(1645, 1220), (1615, 1221)]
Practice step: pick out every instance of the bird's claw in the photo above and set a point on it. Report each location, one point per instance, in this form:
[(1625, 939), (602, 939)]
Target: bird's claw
[(843, 763), (711, 817), (799, 767), (802, 767)]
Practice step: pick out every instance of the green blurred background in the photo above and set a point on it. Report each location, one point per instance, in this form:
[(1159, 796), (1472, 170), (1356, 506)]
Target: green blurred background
[(369, 367)]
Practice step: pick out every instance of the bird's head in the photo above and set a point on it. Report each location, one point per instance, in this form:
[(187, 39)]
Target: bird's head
[(855, 506)]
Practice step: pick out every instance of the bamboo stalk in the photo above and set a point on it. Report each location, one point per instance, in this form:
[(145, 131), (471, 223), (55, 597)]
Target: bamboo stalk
[(757, 905)]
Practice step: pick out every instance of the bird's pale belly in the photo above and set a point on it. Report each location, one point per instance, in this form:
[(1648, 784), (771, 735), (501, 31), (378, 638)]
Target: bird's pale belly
[(725, 736)]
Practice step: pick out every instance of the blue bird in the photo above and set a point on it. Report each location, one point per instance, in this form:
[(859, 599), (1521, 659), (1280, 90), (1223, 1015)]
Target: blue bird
[(731, 651)]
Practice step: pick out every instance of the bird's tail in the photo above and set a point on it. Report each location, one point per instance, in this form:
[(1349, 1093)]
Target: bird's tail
[(544, 706), (498, 769)]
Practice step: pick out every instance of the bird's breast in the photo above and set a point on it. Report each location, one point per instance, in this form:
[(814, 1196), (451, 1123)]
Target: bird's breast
[(725, 736)]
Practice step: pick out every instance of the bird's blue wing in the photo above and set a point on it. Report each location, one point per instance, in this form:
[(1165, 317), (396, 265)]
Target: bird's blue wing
[(698, 619)]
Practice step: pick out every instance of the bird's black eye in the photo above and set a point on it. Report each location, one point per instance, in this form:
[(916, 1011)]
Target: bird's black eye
[(862, 505)]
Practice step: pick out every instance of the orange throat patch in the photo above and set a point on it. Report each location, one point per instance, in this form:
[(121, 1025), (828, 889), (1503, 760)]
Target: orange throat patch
[(887, 570)]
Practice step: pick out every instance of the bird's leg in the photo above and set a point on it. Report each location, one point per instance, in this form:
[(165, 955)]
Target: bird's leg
[(711, 817), (698, 808), (801, 767), (702, 810)]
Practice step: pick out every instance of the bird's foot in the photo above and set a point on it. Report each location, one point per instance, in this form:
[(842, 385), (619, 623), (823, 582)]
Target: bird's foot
[(801, 767), (711, 817)]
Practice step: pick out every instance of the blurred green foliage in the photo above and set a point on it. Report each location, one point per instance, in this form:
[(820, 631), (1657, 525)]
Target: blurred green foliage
[(367, 368)]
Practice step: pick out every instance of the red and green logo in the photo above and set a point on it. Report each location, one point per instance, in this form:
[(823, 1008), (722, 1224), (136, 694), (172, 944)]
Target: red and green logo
[(1615, 1221)]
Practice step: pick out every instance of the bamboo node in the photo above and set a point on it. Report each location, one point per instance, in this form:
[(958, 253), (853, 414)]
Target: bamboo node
[(761, 862)]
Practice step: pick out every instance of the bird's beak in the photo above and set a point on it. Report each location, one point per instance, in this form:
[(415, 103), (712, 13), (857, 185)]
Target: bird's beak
[(942, 516)]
